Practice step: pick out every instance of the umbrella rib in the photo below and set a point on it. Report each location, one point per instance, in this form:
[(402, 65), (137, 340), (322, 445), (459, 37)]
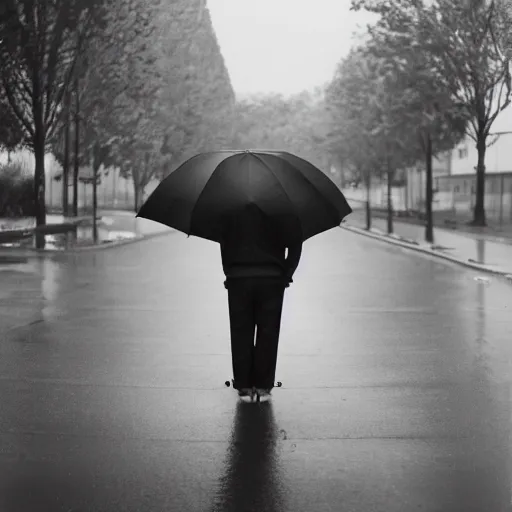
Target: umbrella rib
[(273, 174), (202, 192), (330, 208), (277, 179), (324, 198)]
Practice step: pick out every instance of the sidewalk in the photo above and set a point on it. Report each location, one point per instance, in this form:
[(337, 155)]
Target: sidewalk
[(482, 251), (457, 224)]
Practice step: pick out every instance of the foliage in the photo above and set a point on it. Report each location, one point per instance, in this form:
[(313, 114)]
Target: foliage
[(297, 124), (16, 191), (11, 134), (120, 63), (40, 45), (198, 96), (369, 132), (149, 79), (161, 96), (466, 46), (427, 106), (117, 61), (351, 122)]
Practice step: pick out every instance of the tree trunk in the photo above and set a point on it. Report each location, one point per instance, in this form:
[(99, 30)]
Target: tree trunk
[(39, 185), (114, 183), (429, 226), (139, 185), (406, 197), (136, 189), (65, 163), (479, 211), (136, 196), (368, 201), (76, 168), (390, 197), (95, 168), (39, 146), (95, 205)]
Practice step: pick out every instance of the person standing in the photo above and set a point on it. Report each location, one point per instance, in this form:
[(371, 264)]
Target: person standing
[(257, 272)]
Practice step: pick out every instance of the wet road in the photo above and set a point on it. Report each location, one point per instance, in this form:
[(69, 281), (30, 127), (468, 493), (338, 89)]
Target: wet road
[(395, 369)]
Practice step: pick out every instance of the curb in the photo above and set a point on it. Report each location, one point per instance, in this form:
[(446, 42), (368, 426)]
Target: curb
[(413, 245), (494, 238), (35, 253), (47, 229)]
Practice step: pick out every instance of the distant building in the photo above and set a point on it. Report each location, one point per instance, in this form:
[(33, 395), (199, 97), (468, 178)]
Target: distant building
[(455, 172), (415, 183), (498, 155)]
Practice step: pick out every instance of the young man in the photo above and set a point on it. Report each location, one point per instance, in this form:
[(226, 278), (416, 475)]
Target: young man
[(257, 273)]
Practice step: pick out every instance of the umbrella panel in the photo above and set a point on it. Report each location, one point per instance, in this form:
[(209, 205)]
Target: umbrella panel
[(237, 182), (172, 202)]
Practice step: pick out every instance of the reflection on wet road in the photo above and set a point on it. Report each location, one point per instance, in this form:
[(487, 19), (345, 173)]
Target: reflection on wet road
[(395, 369)]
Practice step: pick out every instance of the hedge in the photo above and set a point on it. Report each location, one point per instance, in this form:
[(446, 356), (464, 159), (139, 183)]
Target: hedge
[(16, 192)]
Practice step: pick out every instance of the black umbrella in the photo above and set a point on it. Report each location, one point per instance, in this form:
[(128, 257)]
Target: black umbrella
[(202, 193)]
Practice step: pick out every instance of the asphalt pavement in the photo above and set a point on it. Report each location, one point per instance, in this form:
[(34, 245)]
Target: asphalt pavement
[(395, 368)]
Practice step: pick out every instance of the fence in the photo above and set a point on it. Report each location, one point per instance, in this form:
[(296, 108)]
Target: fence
[(454, 196), (378, 197), (458, 193)]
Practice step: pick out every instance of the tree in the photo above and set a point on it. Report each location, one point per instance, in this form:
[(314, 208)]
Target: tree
[(121, 63), (61, 149), (351, 121), (138, 149), (197, 98), (118, 59), (391, 131), (297, 124), (11, 133), (427, 107), (368, 115), (40, 43), (468, 44)]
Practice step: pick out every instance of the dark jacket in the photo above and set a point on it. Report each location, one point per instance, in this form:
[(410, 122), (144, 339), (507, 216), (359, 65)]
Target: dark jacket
[(251, 246)]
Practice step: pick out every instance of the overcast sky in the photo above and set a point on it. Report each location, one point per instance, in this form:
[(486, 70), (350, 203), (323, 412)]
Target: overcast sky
[(283, 46)]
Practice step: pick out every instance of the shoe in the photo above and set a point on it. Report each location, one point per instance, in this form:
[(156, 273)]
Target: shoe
[(245, 392), (263, 392)]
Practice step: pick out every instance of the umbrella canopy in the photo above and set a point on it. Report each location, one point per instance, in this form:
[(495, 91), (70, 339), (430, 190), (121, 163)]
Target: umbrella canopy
[(200, 195)]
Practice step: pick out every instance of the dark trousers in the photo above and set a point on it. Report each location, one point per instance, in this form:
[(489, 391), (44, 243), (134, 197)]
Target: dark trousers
[(255, 304)]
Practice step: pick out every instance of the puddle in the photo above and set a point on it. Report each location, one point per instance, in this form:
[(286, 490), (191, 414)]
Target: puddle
[(28, 222), (19, 264), (79, 237)]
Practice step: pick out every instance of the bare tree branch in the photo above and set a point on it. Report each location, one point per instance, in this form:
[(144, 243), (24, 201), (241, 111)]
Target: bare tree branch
[(14, 104)]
